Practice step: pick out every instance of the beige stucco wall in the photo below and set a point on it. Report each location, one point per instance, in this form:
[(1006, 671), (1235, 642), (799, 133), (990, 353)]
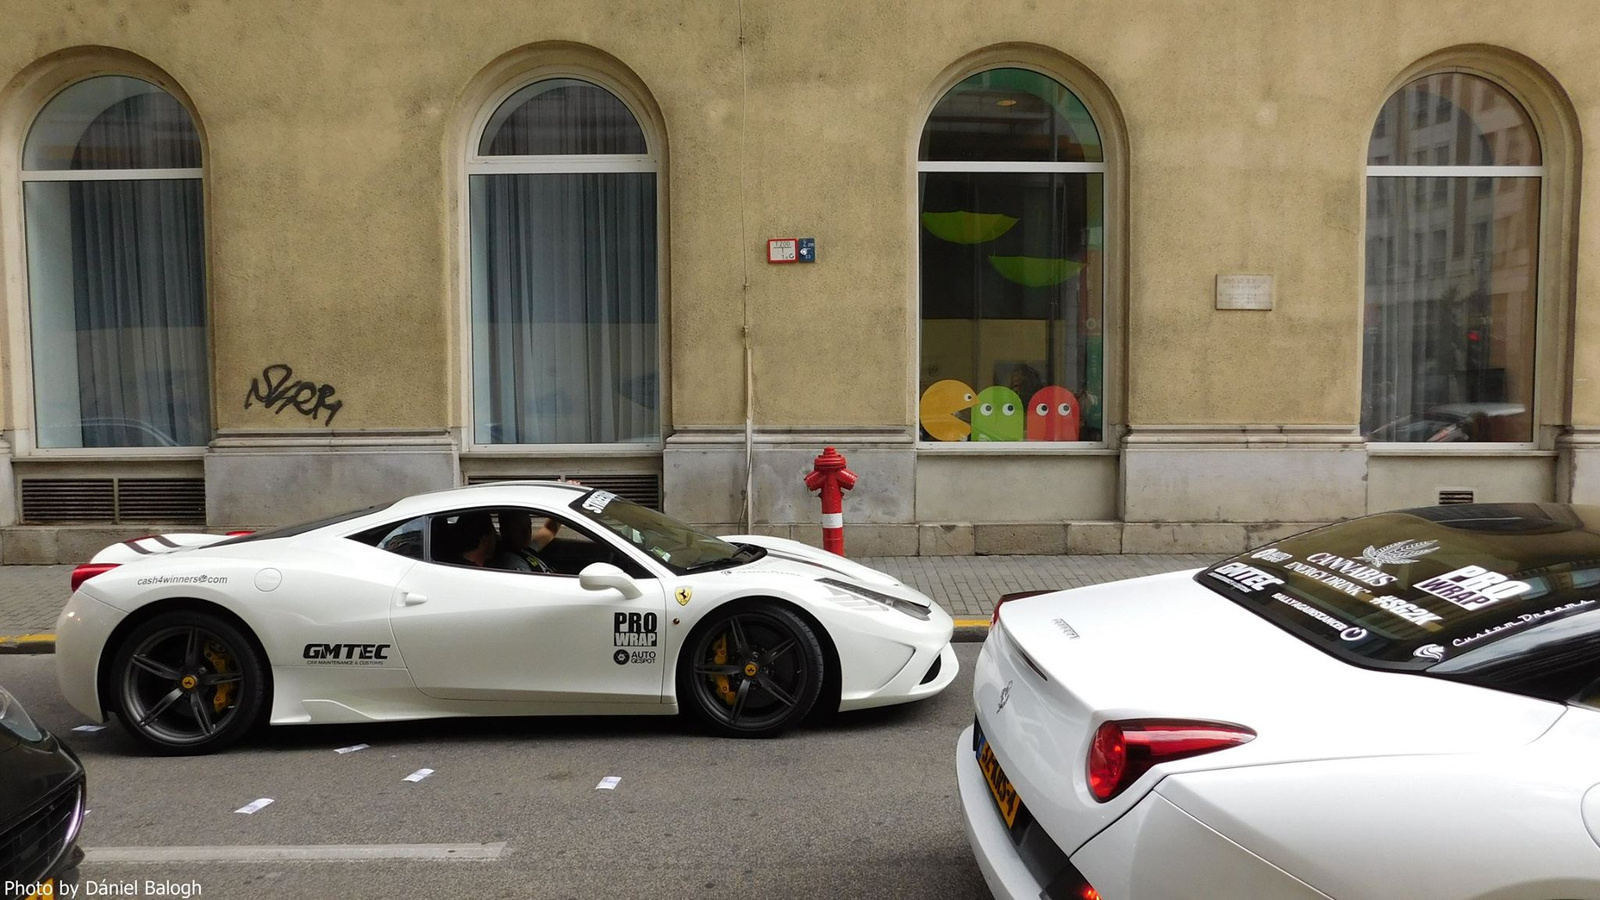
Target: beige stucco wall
[(332, 131)]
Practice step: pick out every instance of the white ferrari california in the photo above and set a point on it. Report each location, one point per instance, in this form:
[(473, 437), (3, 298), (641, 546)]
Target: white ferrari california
[(1402, 705), (513, 598)]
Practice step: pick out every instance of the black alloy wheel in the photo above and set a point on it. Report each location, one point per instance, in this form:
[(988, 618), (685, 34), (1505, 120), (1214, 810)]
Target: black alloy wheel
[(187, 683), (752, 671)]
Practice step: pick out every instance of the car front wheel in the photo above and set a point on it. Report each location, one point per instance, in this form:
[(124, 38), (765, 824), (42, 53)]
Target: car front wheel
[(752, 671), (187, 683)]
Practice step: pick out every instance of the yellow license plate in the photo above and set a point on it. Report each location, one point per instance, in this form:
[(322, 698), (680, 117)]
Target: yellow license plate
[(1005, 796), (47, 890)]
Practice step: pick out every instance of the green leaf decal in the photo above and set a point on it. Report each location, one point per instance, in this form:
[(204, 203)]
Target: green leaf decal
[(967, 227), (1034, 271)]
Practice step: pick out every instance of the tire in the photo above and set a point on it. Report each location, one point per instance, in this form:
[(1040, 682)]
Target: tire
[(187, 683), (752, 671)]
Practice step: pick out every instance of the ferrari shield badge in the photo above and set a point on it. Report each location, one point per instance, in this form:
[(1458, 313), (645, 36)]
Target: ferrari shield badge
[(683, 594)]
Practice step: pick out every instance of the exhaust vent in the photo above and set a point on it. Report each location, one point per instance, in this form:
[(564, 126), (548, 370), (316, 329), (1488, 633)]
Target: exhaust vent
[(1453, 496), (644, 490), (113, 501)]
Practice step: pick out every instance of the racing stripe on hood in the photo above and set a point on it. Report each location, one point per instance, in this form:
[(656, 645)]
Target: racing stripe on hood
[(779, 554)]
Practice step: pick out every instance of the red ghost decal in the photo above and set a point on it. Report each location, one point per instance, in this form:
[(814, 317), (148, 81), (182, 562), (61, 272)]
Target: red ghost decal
[(1053, 415)]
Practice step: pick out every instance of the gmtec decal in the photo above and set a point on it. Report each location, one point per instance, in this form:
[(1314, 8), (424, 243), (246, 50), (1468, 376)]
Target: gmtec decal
[(346, 654)]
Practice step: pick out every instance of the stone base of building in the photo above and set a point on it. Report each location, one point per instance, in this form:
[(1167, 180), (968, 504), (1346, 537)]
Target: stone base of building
[(1170, 489)]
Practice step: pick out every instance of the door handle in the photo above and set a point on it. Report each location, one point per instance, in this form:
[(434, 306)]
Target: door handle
[(411, 598)]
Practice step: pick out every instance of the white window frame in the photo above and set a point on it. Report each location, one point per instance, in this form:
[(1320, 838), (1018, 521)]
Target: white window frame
[(1102, 447), (479, 164), (1532, 446), (26, 442)]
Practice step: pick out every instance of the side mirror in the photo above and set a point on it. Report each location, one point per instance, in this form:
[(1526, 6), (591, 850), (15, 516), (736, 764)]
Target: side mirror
[(600, 576)]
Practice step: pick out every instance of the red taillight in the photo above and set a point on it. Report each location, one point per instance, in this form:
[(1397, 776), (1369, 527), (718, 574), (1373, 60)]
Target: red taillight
[(238, 533), (1122, 751), (1007, 598), (1108, 760), (87, 571)]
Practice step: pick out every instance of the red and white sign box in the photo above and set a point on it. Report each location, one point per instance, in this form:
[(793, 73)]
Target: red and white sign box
[(783, 250)]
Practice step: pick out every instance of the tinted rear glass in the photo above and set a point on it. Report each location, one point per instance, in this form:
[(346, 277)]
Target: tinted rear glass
[(1409, 589), (301, 528)]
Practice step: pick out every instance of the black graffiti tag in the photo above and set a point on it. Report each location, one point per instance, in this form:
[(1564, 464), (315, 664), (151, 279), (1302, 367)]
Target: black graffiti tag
[(307, 397)]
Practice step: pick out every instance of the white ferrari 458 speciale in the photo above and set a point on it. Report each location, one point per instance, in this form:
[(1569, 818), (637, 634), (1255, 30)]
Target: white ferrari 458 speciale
[(513, 598), (1405, 705)]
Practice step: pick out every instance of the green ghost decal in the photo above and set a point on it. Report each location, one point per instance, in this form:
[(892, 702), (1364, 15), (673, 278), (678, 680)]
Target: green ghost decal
[(1033, 271), (967, 227), (997, 416)]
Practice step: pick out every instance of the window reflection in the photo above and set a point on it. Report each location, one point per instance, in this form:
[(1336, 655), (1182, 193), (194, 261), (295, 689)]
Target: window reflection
[(1449, 329)]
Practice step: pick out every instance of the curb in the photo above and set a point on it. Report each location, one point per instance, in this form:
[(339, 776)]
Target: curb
[(970, 630), (11, 644)]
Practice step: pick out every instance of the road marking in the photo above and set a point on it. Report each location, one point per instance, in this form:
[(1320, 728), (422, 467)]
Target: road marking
[(290, 853), (418, 775), (972, 623), (37, 638)]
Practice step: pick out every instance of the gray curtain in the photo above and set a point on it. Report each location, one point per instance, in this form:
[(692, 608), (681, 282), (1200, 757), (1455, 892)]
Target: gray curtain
[(564, 290), (139, 281), (566, 308)]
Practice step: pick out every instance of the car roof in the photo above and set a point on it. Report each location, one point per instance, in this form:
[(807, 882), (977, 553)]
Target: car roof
[(540, 493)]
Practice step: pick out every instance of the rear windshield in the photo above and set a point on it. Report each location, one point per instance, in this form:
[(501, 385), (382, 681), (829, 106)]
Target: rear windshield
[(288, 531), (1453, 585)]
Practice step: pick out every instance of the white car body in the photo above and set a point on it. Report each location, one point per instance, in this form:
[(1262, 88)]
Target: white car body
[(1359, 785), (415, 639)]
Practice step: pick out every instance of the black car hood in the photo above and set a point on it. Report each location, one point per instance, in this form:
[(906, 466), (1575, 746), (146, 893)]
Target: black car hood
[(31, 773)]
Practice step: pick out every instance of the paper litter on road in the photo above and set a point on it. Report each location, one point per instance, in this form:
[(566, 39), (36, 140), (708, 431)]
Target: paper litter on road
[(90, 728), (255, 805), (418, 775), (608, 783), (343, 750)]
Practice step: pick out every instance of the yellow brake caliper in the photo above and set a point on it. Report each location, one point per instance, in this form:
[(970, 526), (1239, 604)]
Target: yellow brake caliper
[(219, 664), (720, 657)]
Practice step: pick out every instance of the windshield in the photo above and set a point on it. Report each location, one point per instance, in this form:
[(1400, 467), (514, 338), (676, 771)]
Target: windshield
[(679, 547), (1407, 590)]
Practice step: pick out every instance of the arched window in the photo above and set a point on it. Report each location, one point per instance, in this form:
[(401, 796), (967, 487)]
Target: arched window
[(1453, 186), (1012, 213), (565, 342), (111, 176)]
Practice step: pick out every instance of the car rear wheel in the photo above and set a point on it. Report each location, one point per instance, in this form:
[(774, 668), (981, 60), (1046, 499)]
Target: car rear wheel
[(751, 671), (188, 683)]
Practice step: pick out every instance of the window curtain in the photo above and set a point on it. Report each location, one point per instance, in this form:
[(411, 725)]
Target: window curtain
[(138, 274), (565, 308)]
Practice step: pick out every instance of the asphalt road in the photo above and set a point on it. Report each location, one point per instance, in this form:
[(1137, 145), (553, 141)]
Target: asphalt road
[(862, 806)]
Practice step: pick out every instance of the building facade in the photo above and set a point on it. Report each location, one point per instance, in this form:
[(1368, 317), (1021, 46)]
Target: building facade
[(1084, 276)]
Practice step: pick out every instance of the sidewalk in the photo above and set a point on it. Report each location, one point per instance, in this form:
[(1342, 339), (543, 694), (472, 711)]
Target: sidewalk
[(31, 597)]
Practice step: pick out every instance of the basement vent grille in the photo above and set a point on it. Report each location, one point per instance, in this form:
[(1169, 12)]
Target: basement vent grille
[(1451, 496), (102, 501), (644, 490)]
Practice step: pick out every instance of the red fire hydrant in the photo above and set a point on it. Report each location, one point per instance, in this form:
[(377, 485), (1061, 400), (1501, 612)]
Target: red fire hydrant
[(829, 476)]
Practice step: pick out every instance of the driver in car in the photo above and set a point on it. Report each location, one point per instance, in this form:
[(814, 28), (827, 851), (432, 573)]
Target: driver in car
[(520, 544)]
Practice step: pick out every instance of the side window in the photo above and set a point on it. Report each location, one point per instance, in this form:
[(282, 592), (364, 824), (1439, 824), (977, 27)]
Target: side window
[(503, 538), (573, 548), (403, 538)]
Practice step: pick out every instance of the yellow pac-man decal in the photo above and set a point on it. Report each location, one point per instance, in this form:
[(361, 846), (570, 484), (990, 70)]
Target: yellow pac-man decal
[(683, 594)]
